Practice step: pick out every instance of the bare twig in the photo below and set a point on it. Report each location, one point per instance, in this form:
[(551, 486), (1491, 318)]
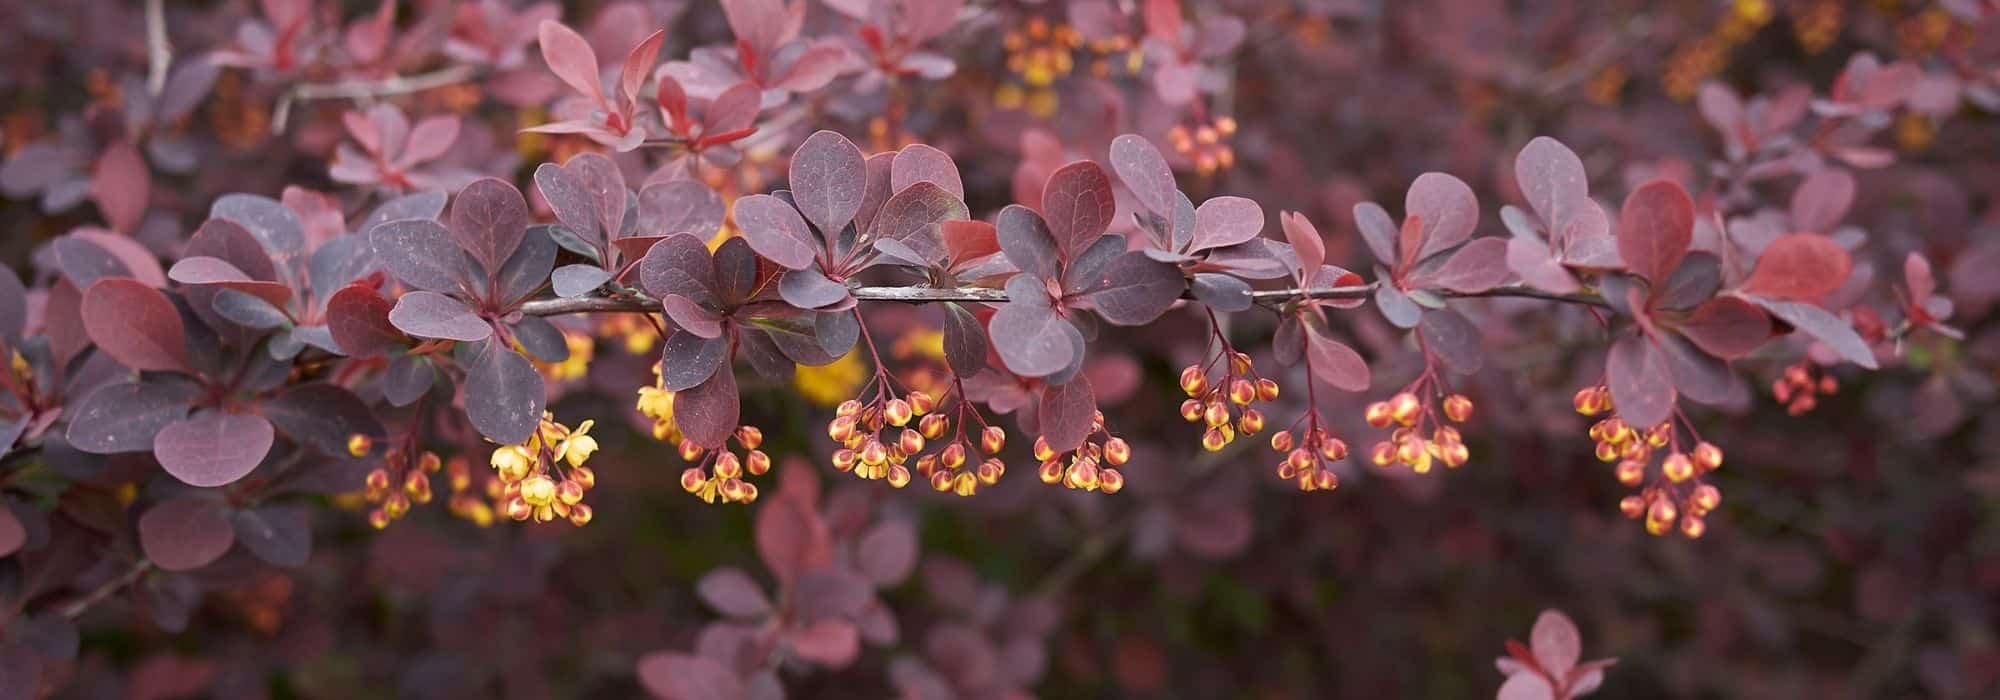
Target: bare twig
[(923, 295), (81, 605), (368, 89), (159, 53)]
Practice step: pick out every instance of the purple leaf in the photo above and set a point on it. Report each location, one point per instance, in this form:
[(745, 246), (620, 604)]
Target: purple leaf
[(1134, 289), (679, 265), (1078, 206), (774, 229), (183, 534), (1553, 180), (1654, 230), (827, 179), (887, 553), (964, 341), (1449, 211), (421, 253), (1453, 339), (135, 324), (324, 416), (12, 535), (1226, 221), (1478, 266), (587, 194), (1697, 375), (571, 281), (213, 448), (830, 643), (124, 417), (281, 535), (1067, 413), (434, 315), (407, 379), (1032, 339), (912, 217), (692, 317), (525, 270), (488, 219), (1641, 386), (1144, 171), (920, 163), (1531, 259), (791, 538), (121, 186), (504, 395), (810, 289), (83, 261), (1336, 364), (1377, 230), (733, 593), (1727, 327), (680, 206), (688, 359), (1694, 282), (1221, 292), (1397, 306), (1307, 244), (1025, 239), (707, 412), (1823, 326)]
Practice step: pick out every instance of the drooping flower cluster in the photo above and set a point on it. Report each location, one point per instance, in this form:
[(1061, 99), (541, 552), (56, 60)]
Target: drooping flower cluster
[(1307, 454), (396, 485), (1676, 497), (718, 474), (1801, 386), (1090, 467), (657, 403), (1224, 405), (1421, 437), (545, 478)]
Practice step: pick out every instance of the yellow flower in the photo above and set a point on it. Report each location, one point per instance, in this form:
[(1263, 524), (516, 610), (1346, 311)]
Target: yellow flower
[(512, 462), (832, 383), (578, 447)]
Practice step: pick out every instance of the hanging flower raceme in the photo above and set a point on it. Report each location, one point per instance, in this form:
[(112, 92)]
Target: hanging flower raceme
[(545, 478), (718, 473), (1673, 497)]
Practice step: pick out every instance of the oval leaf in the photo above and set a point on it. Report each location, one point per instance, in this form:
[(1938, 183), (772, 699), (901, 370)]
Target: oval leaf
[(213, 448), (182, 534), (135, 324)]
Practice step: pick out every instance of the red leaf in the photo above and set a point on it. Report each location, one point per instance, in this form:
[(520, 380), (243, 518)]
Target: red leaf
[(184, 533), (1476, 267), (1641, 386), (887, 552), (358, 318), (121, 186), (733, 593), (1555, 640), (135, 324), (1727, 327), (12, 535), (828, 642), (1077, 205), (791, 538), (673, 676), (1306, 242), (213, 448), (639, 65), (571, 59), (920, 163), (965, 241), (1526, 685), (1654, 229), (1800, 267)]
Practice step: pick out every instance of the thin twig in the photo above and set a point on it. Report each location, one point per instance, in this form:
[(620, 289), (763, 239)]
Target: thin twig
[(923, 295), (368, 89), (77, 609), (159, 53)]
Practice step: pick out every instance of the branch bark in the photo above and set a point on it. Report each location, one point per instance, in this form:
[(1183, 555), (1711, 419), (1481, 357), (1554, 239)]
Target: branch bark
[(366, 89), (923, 295), (159, 53)]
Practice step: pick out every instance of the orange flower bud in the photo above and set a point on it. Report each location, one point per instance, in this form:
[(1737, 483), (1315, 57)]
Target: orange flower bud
[(897, 412), (1117, 451), (1252, 421), (1692, 526), (1705, 498), (992, 439), (1110, 481), (1281, 441), (1632, 506), (429, 462), (940, 481), (911, 442), (1325, 480), (933, 425), (1382, 454), (359, 445), (1042, 450), (1378, 414), (1707, 456), (1051, 471), (749, 436), (952, 456), (690, 451), (989, 471), (1333, 449), (1213, 440), (1585, 401), (569, 492), (899, 476), (1458, 408), (964, 485), (579, 515), (1239, 363), (848, 408), (1215, 414), (1267, 390), (844, 459), (922, 403), (1403, 407), (1631, 472), (1678, 467), (1193, 380), (1191, 410), (757, 463), (1242, 392), (378, 519), (377, 479), (874, 453)]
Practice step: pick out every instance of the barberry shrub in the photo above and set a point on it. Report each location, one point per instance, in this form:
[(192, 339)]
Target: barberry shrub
[(546, 262)]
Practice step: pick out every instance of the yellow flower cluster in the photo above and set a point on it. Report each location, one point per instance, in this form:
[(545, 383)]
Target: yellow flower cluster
[(545, 477), (657, 403)]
